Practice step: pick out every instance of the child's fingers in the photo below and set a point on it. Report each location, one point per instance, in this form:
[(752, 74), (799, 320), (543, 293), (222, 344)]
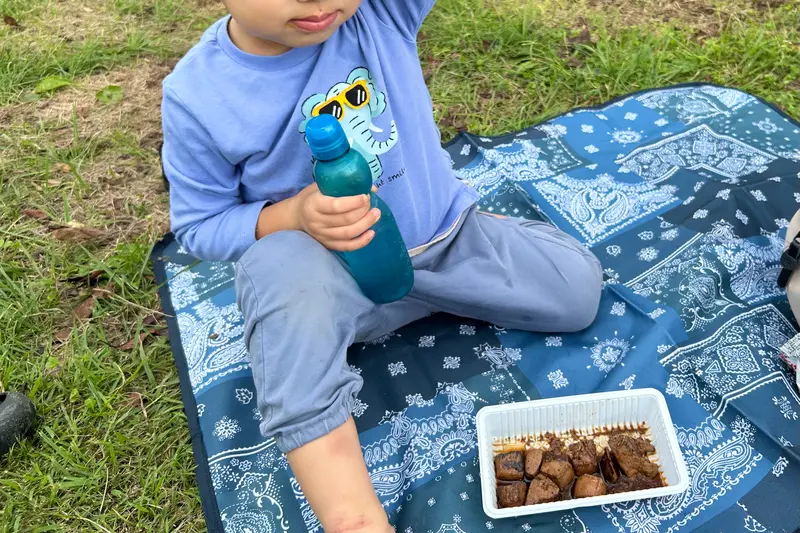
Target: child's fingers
[(346, 219), (352, 231), (335, 206), (352, 244)]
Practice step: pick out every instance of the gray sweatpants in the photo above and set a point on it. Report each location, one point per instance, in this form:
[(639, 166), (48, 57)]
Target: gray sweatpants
[(303, 310)]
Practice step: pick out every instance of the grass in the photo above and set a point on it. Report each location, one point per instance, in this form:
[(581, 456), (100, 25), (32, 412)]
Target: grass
[(111, 451)]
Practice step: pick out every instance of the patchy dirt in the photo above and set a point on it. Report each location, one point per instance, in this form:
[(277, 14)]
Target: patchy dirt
[(73, 21), (705, 18), (701, 16), (138, 112), (580, 36), (67, 21), (123, 186), (769, 4)]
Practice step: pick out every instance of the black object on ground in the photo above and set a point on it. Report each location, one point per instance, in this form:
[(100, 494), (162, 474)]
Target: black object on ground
[(17, 414)]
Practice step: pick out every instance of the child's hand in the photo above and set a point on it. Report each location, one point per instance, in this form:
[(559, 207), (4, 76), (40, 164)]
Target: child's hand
[(340, 224)]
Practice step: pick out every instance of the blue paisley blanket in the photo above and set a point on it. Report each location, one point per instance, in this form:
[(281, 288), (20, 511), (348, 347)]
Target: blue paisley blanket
[(684, 194)]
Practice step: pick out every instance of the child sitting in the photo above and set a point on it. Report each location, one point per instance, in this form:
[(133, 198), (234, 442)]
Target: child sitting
[(235, 110)]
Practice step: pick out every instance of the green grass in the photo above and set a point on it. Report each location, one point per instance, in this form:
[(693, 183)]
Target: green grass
[(98, 461), (74, 39), (513, 69)]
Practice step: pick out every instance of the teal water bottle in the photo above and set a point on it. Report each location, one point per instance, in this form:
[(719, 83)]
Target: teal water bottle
[(382, 268)]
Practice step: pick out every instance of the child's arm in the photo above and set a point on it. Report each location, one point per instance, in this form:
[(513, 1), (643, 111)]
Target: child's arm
[(208, 215), (404, 15), (210, 218)]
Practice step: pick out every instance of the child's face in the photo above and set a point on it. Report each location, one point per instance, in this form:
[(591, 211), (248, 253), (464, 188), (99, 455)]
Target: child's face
[(292, 23)]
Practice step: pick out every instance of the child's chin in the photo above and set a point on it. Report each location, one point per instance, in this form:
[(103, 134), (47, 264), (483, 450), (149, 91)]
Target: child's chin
[(301, 39)]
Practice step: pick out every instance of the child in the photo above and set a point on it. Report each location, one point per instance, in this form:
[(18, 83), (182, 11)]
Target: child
[(234, 113)]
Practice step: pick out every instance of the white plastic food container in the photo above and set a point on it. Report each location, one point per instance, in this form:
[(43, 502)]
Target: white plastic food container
[(582, 414)]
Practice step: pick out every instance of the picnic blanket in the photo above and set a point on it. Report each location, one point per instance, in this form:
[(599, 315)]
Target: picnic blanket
[(684, 194)]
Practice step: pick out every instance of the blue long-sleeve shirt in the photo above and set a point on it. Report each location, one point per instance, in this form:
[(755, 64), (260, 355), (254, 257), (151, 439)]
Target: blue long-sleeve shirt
[(234, 129)]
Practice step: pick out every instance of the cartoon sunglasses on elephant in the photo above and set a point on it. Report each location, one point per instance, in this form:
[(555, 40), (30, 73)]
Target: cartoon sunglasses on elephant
[(357, 103), (355, 96)]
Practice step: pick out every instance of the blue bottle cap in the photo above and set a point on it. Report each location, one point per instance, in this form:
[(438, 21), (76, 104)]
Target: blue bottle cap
[(326, 137)]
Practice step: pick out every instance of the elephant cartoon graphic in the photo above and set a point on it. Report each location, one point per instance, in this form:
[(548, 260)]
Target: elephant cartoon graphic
[(355, 103)]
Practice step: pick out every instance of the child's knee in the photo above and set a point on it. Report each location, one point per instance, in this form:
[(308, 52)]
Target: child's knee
[(287, 269), (289, 280), (580, 298)]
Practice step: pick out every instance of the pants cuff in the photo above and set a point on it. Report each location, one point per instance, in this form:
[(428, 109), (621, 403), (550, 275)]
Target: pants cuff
[(314, 429)]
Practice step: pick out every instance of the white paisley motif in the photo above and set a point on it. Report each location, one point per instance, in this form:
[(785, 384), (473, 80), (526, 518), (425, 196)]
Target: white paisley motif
[(553, 130), (608, 353), (226, 428), (427, 341), (396, 369), (779, 466), (693, 104), (244, 396), (751, 524), (498, 356), (382, 340), (521, 160), (691, 278), (744, 429), (712, 475), (557, 379), (451, 362), (572, 523), (669, 235), (627, 383), (723, 366), (358, 407), (211, 337), (188, 285), (626, 137), (698, 148), (702, 436), (603, 206), (429, 443), (742, 217), (648, 254), (259, 507), (785, 407), (552, 341), (766, 125)]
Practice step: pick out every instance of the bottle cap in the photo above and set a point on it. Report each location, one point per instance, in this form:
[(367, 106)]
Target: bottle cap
[(326, 137)]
